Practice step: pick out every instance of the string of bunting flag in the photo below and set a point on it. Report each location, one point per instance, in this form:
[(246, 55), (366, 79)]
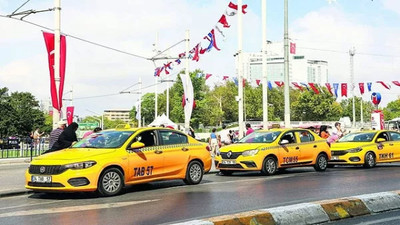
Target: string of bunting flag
[(333, 88), (209, 40)]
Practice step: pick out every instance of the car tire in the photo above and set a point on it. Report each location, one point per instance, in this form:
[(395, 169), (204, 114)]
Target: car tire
[(321, 163), (194, 173), (270, 166), (226, 172), (111, 182), (369, 160)]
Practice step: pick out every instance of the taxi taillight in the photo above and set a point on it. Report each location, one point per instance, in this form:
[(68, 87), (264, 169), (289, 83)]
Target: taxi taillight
[(208, 148)]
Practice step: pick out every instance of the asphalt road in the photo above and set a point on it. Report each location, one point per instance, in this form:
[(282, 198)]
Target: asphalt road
[(12, 176), (172, 201)]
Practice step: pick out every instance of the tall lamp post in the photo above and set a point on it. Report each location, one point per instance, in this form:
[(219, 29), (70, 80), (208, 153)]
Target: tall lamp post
[(286, 86), (352, 52)]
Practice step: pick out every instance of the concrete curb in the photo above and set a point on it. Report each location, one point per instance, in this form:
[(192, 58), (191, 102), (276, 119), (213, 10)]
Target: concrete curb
[(15, 193), (310, 213)]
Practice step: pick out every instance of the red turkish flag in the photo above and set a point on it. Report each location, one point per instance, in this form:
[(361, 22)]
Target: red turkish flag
[(208, 75), (223, 21), (344, 89), (361, 85), (292, 48), (70, 114), (312, 86), (279, 83), (396, 83), (49, 41), (387, 86), (258, 82), (225, 77)]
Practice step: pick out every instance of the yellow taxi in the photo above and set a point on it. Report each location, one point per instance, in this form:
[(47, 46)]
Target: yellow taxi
[(109, 160), (269, 150), (367, 148)]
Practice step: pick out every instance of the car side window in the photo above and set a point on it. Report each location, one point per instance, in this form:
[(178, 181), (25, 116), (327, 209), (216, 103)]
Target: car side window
[(395, 136), (172, 137), (147, 138), (383, 135), (289, 136), (305, 136)]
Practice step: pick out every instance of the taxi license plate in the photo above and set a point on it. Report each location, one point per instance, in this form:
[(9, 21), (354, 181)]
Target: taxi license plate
[(228, 161), (335, 157), (41, 179)]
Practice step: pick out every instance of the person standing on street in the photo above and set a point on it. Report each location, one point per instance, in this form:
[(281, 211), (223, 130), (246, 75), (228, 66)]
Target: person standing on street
[(225, 139), (36, 138), (54, 134), (249, 129), (213, 141), (66, 138)]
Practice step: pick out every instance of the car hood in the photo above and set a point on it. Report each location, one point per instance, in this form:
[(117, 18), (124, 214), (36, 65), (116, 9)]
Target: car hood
[(348, 145), (72, 155), (240, 147)]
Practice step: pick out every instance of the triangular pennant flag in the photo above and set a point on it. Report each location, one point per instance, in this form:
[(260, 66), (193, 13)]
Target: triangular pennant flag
[(396, 83), (361, 85), (258, 82), (335, 88), (344, 89), (312, 86), (269, 85), (213, 44), (225, 77), (223, 21), (279, 83), (305, 85), (297, 86), (244, 82), (328, 86), (369, 85), (208, 75), (387, 86), (158, 71), (195, 52), (235, 7), (235, 80), (167, 66)]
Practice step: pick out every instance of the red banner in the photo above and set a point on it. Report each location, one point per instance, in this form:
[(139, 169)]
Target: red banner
[(279, 83), (387, 86), (396, 83), (292, 48), (361, 85), (70, 114), (344, 89), (328, 85), (225, 77), (208, 75), (297, 86), (258, 82), (49, 40), (312, 86)]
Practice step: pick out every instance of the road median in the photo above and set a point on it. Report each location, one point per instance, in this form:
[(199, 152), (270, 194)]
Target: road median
[(310, 213)]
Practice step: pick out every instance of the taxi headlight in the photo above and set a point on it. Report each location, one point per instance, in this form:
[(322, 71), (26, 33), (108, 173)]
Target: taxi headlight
[(250, 152), (354, 150), (80, 165)]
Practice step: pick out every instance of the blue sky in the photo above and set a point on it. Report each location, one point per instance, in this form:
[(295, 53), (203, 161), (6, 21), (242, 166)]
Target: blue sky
[(370, 26)]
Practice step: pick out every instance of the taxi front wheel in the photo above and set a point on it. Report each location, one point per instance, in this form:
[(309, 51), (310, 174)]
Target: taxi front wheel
[(270, 166), (194, 173), (321, 163), (110, 182)]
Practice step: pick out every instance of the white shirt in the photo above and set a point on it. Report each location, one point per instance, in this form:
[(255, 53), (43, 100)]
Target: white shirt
[(224, 136)]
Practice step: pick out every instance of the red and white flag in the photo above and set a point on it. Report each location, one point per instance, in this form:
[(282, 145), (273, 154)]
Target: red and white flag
[(208, 75), (56, 99), (396, 83), (328, 86), (344, 89), (312, 86), (279, 83), (233, 7), (292, 48), (387, 86), (258, 82), (361, 86), (225, 77), (70, 114), (297, 86), (223, 21)]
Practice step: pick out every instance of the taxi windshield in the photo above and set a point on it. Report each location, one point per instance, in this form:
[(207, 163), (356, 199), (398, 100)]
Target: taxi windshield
[(261, 137), (104, 139), (358, 137)]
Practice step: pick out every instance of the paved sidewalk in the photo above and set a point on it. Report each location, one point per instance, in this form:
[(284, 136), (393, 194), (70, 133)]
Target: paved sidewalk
[(12, 174)]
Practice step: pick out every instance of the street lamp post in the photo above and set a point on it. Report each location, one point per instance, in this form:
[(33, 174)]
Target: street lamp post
[(352, 52), (286, 86), (239, 69)]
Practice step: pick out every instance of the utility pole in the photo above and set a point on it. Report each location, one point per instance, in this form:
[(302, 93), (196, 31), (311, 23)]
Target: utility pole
[(240, 68), (286, 86), (264, 62), (57, 27), (156, 86), (140, 102), (352, 52)]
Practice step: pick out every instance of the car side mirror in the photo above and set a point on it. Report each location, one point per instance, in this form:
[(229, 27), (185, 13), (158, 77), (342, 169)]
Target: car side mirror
[(137, 145), (284, 142), (380, 140)]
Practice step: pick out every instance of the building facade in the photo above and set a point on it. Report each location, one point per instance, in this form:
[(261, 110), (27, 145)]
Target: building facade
[(301, 69), (117, 114)]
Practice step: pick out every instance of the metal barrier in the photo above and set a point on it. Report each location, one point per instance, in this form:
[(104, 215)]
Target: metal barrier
[(26, 149)]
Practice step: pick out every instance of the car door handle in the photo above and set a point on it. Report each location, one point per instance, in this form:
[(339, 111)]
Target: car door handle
[(297, 148), (315, 146), (158, 152), (185, 149)]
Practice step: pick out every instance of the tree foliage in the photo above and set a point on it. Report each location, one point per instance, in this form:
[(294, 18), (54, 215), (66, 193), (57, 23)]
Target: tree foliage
[(392, 110)]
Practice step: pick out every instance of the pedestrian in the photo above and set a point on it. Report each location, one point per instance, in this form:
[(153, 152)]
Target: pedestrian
[(249, 129), (336, 133), (224, 133), (36, 137), (324, 132), (66, 138), (54, 134), (96, 130), (213, 142), (231, 136), (191, 132)]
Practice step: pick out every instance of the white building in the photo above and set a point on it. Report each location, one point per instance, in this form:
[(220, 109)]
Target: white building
[(301, 69), (117, 114)]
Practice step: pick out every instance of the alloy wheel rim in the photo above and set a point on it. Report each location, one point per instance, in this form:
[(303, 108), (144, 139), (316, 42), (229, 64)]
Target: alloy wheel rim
[(195, 172), (111, 182), (270, 166), (370, 160), (322, 162)]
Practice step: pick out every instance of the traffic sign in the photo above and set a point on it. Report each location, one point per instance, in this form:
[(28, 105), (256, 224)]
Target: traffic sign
[(88, 126)]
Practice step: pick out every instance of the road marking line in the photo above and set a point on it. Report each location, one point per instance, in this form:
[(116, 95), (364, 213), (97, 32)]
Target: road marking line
[(74, 208), (42, 203)]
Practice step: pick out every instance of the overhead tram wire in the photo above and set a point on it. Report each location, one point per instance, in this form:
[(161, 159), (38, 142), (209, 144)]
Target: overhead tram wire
[(78, 38)]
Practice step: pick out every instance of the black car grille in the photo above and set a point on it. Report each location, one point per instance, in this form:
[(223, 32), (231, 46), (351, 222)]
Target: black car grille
[(234, 155), (33, 184), (48, 170), (338, 153), (237, 166)]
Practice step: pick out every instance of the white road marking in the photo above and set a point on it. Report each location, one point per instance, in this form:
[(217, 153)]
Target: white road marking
[(41, 203), (73, 208)]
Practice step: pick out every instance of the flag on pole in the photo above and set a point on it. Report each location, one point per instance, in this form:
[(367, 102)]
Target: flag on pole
[(70, 114), (312, 86), (328, 86), (49, 41), (335, 88), (387, 86), (138, 104), (188, 96), (344, 89), (361, 85)]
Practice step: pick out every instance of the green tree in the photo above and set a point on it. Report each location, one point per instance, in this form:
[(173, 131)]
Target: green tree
[(7, 113), (347, 105), (392, 110)]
